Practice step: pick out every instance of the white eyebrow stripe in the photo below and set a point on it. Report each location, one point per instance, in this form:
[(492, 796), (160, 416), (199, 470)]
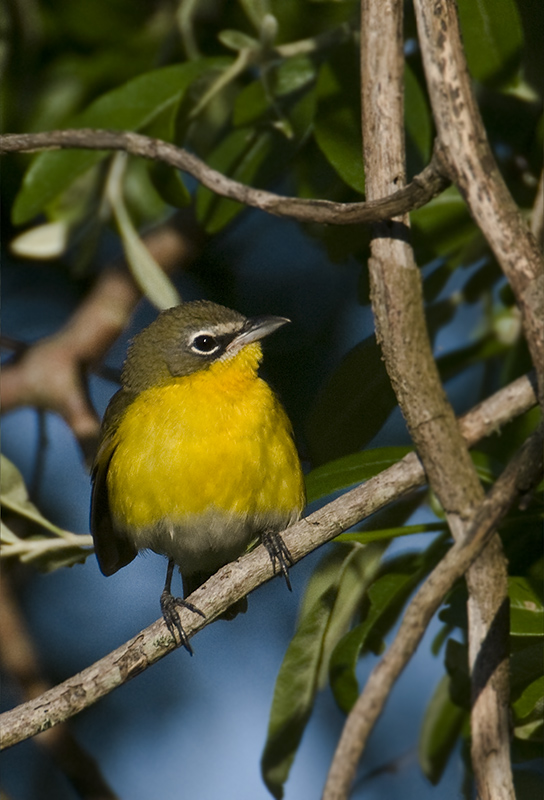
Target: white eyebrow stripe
[(220, 329)]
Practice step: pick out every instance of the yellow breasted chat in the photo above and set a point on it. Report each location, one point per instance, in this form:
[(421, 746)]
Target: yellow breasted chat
[(196, 457)]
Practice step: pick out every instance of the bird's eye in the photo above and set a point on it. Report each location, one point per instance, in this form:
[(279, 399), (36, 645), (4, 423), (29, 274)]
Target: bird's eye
[(204, 343)]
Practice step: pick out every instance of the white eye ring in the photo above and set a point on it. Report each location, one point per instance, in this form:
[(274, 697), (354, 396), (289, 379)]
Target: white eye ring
[(204, 343)]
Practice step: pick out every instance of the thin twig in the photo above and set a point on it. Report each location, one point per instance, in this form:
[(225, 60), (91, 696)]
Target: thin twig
[(423, 187), (517, 479), (236, 580)]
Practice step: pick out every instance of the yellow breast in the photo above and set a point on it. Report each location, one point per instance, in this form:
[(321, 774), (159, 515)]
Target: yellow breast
[(216, 439)]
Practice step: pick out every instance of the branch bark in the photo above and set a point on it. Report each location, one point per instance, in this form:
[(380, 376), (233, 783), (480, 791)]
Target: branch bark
[(423, 188), (469, 161), (398, 306), (517, 479), (236, 580)]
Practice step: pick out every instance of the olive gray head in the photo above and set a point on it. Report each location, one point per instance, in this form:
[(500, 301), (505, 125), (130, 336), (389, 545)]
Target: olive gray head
[(190, 337)]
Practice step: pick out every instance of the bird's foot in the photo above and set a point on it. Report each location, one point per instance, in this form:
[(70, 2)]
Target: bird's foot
[(279, 554), (169, 608)]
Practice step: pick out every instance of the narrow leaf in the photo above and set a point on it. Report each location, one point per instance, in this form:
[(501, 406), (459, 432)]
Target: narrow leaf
[(338, 128), (417, 115), (343, 662), (531, 701), (240, 155), (294, 695), (333, 596), (493, 38), (441, 727), (349, 470), (358, 571), (387, 596), (346, 415), (365, 537), (14, 496), (149, 276)]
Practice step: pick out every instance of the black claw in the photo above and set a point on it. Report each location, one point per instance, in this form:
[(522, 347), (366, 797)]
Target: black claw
[(169, 606), (279, 554)]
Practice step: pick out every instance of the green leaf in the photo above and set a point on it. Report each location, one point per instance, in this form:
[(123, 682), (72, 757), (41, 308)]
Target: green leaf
[(250, 105), (443, 226), (526, 666), (417, 115), (256, 10), (441, 727), (129, 107), (487, 467), (386, 596), (294, 694), (45, 552), (526, 608), (293, 74), (338, 126), (237, 40), (382, 595), (169, 184), (352, 407), (240, 155), (493, 39), (531, 701), (349, 470), (333, 595), (365, 537), (358, 570), (147, 273), (532, 731), (253, 103), (14, 496), (456, 661)]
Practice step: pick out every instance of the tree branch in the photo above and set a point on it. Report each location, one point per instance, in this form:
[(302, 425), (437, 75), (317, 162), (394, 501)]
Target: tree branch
[(398, 306), (236, 580), (469, 161), (423, 188), (518, 478)]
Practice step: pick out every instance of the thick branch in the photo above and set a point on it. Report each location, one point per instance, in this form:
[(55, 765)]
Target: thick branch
[(398, 306), (469, 161), (238, 579), (423, 188), (518, 478)]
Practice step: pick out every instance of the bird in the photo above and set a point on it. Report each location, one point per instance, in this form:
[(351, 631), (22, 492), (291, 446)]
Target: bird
[(196, 457)]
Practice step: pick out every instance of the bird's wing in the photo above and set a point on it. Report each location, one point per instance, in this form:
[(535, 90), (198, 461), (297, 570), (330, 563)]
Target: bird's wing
[(113, 550)]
